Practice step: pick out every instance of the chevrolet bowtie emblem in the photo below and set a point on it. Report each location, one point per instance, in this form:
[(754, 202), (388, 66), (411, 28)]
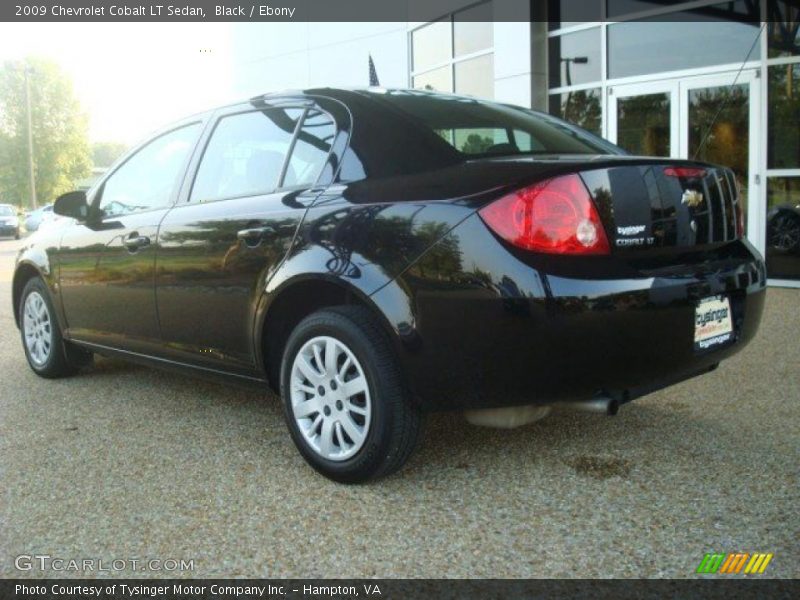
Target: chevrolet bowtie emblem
[(692, 198)]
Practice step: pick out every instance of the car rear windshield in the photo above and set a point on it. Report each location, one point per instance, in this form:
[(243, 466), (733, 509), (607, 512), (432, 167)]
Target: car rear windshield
[(478, 128), (6, 211)]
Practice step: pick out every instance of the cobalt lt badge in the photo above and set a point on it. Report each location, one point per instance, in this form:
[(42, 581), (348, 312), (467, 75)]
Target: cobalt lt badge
[(692, 198)]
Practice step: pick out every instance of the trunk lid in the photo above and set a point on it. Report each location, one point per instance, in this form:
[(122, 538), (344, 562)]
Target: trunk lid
[(666, 204)]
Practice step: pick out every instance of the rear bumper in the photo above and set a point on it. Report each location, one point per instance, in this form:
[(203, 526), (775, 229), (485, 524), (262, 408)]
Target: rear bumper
[(523, 336), (8, 230)]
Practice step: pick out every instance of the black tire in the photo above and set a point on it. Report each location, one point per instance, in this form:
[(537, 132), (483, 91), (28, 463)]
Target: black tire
[(64, 359), (394, 425), (16, 235), (783, 233)]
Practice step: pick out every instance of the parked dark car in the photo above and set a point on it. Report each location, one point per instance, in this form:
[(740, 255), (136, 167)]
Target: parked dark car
[(376, 254), (9, 221)]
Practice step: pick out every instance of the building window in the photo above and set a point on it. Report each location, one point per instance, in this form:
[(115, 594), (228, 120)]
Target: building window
[(783, 28), (455, 54), (714, 35), (475, 77), (643, 126), (567, 13), (783, 141), (581, 107), (575, 58)]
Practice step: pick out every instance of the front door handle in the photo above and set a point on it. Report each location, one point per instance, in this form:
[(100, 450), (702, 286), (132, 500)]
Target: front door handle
[(254, 235), (136, 242)]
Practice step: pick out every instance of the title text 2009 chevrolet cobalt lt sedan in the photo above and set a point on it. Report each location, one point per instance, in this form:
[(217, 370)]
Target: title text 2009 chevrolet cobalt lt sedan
[(376, 254)]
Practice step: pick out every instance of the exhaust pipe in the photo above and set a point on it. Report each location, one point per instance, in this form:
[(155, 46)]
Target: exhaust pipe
[(603, 405)]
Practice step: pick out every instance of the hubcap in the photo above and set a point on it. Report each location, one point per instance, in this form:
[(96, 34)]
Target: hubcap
[(330, 398), (38, 328)]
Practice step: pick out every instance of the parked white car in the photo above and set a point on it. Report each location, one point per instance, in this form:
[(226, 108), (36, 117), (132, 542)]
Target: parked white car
[(36, 217)]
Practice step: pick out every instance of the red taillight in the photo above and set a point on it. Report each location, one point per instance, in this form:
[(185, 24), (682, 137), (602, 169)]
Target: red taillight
[(684, 172), (555, 216)]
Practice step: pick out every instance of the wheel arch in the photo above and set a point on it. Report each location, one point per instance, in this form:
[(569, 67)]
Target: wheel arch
[(24, 272), (281, 309)]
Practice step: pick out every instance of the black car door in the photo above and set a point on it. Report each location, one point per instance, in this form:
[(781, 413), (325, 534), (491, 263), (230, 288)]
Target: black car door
[(220, 244), (106, 265)]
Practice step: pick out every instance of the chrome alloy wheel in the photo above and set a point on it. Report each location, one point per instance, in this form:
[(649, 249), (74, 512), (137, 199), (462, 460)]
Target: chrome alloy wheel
[(330, 398), (38, 329)]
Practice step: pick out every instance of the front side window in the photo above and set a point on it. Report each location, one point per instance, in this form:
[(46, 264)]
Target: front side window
[(147, 179), (245, 155)]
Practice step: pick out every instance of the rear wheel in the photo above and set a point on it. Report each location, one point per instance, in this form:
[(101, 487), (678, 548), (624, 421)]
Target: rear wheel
[(346, 407), (47, 352)]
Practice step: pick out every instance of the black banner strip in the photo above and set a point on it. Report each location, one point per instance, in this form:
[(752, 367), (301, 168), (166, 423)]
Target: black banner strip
[(571, 11), (722, 587)]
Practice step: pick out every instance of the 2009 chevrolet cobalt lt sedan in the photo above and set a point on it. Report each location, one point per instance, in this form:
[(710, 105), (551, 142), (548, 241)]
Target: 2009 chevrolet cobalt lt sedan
[(376, 254)]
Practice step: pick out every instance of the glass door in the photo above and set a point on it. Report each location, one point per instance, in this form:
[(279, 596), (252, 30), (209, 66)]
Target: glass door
[(643, 118), (718, 114), (710, 118)]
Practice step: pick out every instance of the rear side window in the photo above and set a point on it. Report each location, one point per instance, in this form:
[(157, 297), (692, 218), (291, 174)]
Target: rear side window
[(245, 155), (310, 152), (478, 128)]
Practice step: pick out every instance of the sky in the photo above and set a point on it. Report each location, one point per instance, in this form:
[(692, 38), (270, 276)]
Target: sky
[(132, 79)]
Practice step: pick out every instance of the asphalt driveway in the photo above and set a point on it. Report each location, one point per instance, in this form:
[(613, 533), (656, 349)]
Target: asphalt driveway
[(123, 462)]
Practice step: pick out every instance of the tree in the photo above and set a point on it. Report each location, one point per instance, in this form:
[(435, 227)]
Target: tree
[(60, 132), (477, 144), (105, 153)]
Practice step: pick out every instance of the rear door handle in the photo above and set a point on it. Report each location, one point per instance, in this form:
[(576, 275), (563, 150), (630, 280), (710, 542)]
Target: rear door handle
[(254, 235), (135, 242)]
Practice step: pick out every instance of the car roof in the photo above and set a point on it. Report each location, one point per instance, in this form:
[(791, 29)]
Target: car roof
[(342, 93)]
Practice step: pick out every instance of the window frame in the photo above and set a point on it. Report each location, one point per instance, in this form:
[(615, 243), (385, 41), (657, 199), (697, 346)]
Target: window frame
[(95, 194), (304, 106)]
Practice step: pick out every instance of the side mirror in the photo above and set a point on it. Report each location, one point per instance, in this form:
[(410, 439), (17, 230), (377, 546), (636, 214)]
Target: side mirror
[(73, 205)]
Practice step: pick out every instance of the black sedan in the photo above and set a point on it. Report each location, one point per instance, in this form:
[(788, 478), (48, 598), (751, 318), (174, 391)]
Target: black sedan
[(376, 254)]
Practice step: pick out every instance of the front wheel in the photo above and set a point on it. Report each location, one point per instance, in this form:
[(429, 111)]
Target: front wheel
[(47, 353), (346, 406)]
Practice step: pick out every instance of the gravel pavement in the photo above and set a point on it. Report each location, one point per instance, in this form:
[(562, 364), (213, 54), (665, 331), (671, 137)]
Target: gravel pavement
[(126, 462)]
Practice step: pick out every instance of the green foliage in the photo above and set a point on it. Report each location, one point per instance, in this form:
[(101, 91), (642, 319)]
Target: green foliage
[(583, 109), (60, 132)]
